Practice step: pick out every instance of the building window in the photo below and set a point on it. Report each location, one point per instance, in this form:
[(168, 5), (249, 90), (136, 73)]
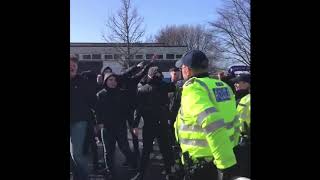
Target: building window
[(86, 56), (160, 56), (96, 56), (170, 56), (140, 56), (178, 56), (117, 56), (149, 56), (108, 56), (130, 56)]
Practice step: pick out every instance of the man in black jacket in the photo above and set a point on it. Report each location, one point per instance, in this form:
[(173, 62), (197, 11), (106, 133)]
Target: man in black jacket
[(153, 105), (130, 83), (175, 97), (93, 136), (174, 105), (82, 100), (112, 112)]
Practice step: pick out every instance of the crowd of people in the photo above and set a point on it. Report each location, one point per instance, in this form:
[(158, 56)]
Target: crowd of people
[(104, 106)]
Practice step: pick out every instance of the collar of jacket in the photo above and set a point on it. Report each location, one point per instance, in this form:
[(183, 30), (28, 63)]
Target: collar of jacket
[(201, 75)]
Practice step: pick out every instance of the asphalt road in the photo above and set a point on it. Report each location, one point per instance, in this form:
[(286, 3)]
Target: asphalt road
[(122, 173)]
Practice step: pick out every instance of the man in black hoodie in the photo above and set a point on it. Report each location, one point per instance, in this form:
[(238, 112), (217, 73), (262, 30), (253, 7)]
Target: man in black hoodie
[(112, 112), (153, 105), (130, 83), (175, 101), (174, 97), (82, 100)]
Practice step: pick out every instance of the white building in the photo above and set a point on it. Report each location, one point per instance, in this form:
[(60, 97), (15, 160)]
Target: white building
[(97, 56)]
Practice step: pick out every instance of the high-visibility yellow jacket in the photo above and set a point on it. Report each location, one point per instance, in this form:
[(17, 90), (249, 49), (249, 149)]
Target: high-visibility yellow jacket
[(243, 112), (205, 125)]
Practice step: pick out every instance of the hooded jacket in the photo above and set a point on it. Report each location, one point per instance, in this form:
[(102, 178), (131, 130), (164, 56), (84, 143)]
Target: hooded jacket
[(112, 107)]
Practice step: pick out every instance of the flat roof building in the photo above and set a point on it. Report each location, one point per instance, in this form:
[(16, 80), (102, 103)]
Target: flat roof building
[(97, 56)]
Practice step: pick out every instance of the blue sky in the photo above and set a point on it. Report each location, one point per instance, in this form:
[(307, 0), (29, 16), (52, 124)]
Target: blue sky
[(88, 17)]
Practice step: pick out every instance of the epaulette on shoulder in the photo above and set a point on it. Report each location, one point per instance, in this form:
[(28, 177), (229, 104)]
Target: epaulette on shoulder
[(190, 81)]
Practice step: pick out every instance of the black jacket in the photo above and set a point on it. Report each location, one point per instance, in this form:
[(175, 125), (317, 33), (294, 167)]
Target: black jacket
[(112, 108), (152, 99), (175, 100), (129, 81), (92, 79), (82, 99)]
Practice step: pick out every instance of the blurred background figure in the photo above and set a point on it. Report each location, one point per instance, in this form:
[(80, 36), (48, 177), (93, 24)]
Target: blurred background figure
[(106, 70), (221, 75), (82, 101), (153, 105), (242, 82), (241, 85), (174, 102)]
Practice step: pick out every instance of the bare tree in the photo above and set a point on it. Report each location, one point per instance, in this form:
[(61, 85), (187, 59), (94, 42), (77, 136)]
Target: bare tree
[(171, 35), (149, 39), (192, 36), (125, 27), (232, 30)]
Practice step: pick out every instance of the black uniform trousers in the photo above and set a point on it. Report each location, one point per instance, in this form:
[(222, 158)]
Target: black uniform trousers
[(242, 152), (241, 169), (207, 172)]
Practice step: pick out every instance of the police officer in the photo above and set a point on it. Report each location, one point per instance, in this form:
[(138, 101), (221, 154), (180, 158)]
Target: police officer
[(243, 108), (242, 151), (205, 123)]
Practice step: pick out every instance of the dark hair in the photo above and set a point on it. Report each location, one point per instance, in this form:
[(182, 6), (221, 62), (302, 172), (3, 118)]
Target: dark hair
[(174, 69), (74, 58)]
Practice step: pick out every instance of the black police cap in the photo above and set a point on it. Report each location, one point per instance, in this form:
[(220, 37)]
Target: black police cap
[(194, 59)]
